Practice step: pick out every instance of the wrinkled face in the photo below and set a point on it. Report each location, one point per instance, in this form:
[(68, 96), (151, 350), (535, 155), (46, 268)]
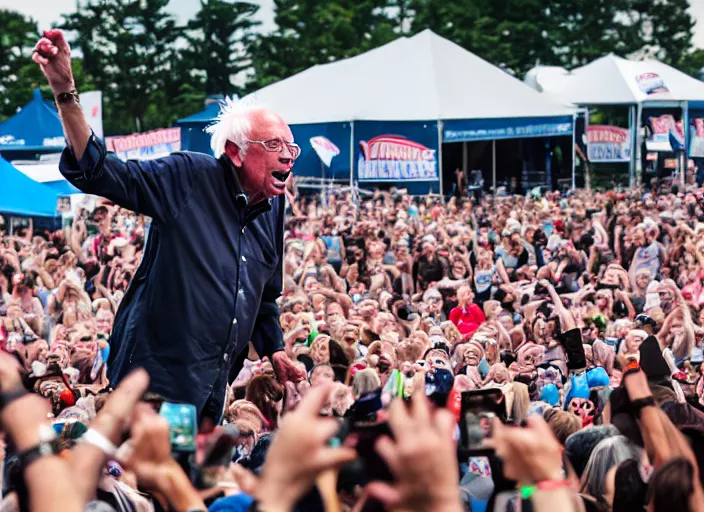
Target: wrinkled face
[(263, 173)]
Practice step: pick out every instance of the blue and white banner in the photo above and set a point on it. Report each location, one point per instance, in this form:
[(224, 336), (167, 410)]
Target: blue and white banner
[(394, 158), (608, 143), (496, 129), (404, 152)]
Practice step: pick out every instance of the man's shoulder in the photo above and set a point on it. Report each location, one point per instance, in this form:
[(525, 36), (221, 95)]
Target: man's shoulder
[(198, 160)]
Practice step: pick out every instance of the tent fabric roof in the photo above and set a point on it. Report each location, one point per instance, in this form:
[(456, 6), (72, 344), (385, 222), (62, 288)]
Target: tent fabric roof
[(419, 78), (23, 196), (48, 174), (612, 80), (208, 114), (36, 127)]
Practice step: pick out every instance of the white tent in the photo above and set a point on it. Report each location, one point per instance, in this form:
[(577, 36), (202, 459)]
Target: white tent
[(612, 80), (419, 78)]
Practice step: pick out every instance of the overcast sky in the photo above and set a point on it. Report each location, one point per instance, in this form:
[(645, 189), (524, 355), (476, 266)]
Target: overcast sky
[(48, 11)]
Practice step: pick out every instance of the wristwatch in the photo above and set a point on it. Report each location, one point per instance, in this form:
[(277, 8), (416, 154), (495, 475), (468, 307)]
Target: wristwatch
[(48, 445), (71, 96)]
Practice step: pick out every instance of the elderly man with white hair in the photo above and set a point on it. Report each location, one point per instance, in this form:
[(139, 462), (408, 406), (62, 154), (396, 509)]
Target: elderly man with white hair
[(212, 266)]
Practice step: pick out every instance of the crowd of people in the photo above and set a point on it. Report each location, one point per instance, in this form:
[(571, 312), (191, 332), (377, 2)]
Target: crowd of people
[(473, 354)]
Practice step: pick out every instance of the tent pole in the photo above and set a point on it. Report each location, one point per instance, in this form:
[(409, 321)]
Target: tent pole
[(465, 162), (685, 129), (587, 164), (352, 158), (638, 166), (493, 166), (440, 158), (634, 142), (574, 153)]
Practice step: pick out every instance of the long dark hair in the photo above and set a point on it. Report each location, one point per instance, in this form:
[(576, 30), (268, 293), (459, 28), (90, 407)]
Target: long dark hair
[(264, 392), (630, 490), (672, 486)]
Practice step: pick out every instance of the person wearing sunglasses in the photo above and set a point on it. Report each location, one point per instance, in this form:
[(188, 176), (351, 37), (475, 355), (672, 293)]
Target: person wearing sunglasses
[(212, 265)]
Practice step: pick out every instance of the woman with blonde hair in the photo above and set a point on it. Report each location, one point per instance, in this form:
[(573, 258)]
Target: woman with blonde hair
[(365, 381)]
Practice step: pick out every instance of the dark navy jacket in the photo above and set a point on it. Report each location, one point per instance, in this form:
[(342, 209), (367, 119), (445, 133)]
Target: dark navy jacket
[(211, 272)]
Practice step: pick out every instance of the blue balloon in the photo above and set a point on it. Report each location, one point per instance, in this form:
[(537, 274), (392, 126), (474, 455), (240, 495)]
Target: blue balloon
[(597, 377), (550, 394)]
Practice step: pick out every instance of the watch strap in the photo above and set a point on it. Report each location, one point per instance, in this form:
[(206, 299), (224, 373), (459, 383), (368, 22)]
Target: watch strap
[(638, 405), (6, 398), (31, 455), (67, 97)]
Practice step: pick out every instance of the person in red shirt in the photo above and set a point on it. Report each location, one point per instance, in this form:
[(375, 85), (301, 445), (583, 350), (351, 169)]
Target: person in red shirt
[(467, 316)]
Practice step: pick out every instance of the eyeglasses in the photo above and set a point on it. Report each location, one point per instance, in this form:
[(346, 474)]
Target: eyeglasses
[(277, 145)]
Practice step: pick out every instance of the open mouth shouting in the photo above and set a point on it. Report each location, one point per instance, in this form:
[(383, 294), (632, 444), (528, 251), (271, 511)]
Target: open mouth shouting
[(280, 178)]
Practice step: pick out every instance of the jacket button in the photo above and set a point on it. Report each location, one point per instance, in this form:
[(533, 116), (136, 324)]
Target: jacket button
[(244, 259), (242, 231), (234, 321), (224, 357)]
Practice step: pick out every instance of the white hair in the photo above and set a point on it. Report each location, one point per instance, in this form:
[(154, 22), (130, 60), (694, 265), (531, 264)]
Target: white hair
[(234, 124)]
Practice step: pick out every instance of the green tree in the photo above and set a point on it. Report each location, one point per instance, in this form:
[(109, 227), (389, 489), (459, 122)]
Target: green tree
[(129, 47), (507, 33), (18, 35), (584, 30), (218, 39), (663, 28), (311, 32)]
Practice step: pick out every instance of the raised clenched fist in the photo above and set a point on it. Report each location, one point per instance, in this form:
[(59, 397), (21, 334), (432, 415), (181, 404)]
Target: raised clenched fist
[(53, 54)]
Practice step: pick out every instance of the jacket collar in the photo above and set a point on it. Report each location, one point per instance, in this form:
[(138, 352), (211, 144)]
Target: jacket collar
[(233, 180)]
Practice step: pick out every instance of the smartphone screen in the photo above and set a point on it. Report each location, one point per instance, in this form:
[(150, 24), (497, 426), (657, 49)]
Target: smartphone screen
[(366, 436), (478, 410), (183, 425), (571, 341)]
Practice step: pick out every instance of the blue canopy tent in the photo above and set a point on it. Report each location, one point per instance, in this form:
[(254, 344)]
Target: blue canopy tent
[(391, 109), (34, 129), (24, 197), (193, 138), (46, 171)]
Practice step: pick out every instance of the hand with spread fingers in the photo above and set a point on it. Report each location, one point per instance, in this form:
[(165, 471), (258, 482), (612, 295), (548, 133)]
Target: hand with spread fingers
[(299, 453), (422, 458)]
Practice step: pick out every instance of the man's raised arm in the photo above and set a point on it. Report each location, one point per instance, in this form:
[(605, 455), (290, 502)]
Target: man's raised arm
[(158, 188), (53, 55)]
